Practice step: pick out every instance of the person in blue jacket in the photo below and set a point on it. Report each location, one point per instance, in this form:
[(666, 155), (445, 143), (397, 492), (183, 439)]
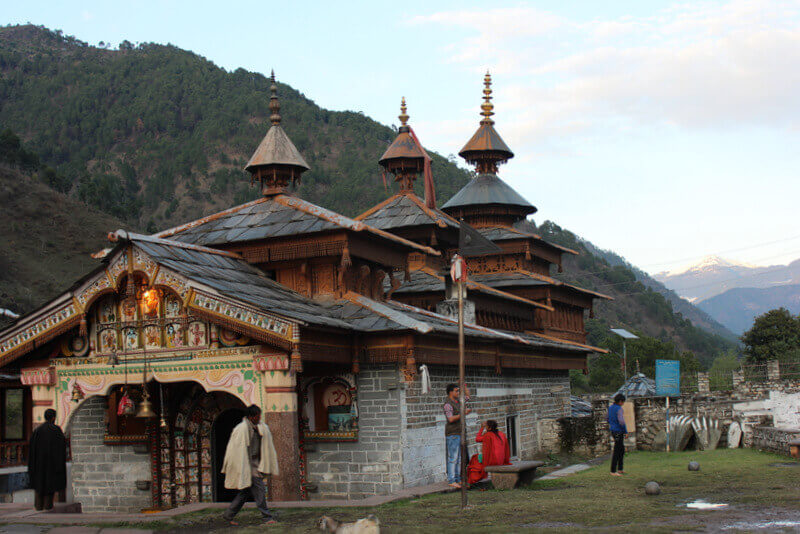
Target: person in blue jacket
[(616, 423)]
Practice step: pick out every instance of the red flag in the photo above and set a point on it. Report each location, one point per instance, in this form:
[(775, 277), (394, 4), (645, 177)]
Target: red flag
[(430, 190)]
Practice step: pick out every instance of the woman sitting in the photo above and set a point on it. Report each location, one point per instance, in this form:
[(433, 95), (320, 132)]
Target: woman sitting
[(495, 451)]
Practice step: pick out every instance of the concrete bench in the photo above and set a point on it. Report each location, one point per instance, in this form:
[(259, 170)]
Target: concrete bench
[(514, 475), (794, 448)]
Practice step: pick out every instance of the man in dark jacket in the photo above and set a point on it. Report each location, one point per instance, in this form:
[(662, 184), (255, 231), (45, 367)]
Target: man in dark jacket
[(47, 461), (616, 423)]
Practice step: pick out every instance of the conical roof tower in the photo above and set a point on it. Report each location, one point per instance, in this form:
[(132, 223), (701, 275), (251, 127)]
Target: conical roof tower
[(487, 200), (276, 163)]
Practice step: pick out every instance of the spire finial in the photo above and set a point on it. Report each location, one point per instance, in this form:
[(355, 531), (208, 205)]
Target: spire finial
[(274, 105), (487, 106), (403, 112)]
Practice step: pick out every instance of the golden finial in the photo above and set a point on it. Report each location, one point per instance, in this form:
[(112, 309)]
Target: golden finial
[(403, 112), (487, 106), (274, 105)]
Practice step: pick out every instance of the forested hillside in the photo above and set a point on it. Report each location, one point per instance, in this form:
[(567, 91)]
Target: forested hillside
[(153, 136), (156, 135)]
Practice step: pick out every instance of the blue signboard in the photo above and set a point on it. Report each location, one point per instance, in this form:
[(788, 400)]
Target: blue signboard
[(668, 378)]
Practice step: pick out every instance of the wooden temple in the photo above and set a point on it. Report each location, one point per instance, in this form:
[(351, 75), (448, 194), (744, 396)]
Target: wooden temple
[(329, 324)]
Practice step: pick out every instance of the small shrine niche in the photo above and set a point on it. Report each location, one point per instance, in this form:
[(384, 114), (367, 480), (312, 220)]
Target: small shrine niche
[(330, 409), (153, 318)]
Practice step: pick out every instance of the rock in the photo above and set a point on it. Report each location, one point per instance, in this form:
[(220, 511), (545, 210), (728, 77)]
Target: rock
[(694, 466), (660, 441), (652, 488)]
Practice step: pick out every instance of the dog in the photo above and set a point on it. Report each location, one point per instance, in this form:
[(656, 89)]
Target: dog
[(367, 525)]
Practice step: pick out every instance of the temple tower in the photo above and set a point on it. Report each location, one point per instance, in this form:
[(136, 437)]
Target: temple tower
[(276, 163), (404, 158), (487, 200)]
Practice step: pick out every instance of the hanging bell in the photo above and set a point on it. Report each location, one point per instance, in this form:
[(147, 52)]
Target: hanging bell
[(146, 408), (77, 393)]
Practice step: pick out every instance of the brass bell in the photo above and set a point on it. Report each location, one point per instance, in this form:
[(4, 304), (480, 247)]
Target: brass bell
[(146, 408), (77, 393)]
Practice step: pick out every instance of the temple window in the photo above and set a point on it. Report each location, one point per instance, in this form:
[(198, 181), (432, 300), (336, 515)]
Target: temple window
[(13, 414), (330, 410)]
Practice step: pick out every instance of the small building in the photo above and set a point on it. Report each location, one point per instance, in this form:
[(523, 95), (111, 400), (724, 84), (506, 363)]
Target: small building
[(321, 320)]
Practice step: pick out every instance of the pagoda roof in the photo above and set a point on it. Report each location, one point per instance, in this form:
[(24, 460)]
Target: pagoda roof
[(488, 189), (505, 233), (403, 147), (522, 278), (276, 149), (427, 280), (486, 139), (275, 216), (405, 209)]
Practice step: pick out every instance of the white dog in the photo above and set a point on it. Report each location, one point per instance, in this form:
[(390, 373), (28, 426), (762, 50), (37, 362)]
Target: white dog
[(368, 525)]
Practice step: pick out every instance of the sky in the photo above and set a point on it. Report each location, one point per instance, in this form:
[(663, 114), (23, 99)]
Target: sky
[(664, 131)]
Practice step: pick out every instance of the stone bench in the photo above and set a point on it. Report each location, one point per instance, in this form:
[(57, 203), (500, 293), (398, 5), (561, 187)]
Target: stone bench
[(514, 475), (794, 448)]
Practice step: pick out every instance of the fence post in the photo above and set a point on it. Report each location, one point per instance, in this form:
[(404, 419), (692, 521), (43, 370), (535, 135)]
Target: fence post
[(773, 370), (702, 382)]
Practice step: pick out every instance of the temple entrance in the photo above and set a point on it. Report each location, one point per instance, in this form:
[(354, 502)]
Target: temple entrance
[(220, 434), (192, 445)]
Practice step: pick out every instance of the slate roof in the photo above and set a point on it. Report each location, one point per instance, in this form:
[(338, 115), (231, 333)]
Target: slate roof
[(368, 315), (426, 280), (520, 278), (405, 209), (234, 278), (487, 189), (504, 233), (269, 217), (579, 407)]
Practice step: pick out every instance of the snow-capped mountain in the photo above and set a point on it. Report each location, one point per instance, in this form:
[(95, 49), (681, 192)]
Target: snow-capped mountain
[(714, 276)]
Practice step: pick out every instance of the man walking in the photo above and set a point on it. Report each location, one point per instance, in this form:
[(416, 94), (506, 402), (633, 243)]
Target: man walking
[(452, 434), (616, 423), (47, 461), (250, 456)]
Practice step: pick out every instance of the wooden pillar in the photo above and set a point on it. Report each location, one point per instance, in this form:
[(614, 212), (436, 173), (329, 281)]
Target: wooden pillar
[(280, 413)]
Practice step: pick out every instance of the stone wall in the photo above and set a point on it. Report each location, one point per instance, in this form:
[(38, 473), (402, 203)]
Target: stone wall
[(401, 431), (535, 398), (372, 465), (103, 476), (767, 438), (769, 402)]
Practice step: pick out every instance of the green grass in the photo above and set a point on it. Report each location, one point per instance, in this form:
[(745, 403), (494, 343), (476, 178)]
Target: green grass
[(743, 478)]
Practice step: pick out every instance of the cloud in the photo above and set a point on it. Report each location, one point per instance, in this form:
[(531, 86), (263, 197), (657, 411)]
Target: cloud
[(700, 66)]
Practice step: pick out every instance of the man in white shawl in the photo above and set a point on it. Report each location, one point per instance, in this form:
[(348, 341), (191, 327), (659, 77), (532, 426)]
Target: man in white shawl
[(249, 457)]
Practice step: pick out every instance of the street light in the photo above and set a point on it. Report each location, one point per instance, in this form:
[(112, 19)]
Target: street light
[(624, 334)]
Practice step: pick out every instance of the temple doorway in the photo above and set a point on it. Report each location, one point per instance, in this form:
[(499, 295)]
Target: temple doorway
[(192, 445), (221, 433)]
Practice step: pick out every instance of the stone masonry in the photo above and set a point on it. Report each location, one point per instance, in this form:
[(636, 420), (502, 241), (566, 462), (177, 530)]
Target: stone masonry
[(401, 431), (97, 468), (372, 465)]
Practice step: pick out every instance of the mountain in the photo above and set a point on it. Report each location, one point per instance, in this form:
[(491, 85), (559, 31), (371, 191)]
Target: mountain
[(36, 223), (151, 136), (737, 308), (697, 316), (714, 276), (156, 135)]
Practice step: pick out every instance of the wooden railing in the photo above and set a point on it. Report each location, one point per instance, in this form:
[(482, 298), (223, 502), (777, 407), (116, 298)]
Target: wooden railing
[(13, 453)]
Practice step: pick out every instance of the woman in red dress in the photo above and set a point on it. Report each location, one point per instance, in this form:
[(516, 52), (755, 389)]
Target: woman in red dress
[(495, 451)]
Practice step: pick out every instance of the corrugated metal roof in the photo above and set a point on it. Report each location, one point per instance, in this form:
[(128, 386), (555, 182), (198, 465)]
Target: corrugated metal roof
[(638, 385)]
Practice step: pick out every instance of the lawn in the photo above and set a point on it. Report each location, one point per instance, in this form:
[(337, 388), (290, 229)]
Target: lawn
[(749, 481)]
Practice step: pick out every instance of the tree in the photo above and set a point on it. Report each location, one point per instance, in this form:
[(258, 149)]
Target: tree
[(720, 374), (773, 336)]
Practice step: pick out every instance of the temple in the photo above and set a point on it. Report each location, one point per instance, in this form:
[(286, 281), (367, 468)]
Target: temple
[(334, 326)]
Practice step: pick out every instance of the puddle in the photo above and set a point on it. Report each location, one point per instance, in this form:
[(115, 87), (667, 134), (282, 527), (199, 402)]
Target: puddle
[(756, 525), (700, 504), (785, 464)]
